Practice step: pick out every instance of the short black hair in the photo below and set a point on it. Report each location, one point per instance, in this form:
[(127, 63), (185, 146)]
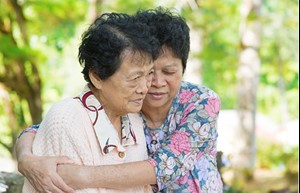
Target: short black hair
[(169, 28), (105, 40)]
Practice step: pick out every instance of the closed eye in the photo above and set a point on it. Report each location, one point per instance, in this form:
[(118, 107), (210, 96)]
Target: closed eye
[(137, 78), (169, 72)]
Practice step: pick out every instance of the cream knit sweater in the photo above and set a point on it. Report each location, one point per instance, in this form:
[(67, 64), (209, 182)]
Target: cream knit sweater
[(67, 130)]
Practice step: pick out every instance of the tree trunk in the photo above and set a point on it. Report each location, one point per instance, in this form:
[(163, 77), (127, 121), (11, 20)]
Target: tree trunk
[(248, 78), (282, 88), (94, 9)]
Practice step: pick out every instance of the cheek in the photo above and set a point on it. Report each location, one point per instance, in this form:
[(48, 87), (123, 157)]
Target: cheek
[(127, 91), (174, 86), (174, 82)]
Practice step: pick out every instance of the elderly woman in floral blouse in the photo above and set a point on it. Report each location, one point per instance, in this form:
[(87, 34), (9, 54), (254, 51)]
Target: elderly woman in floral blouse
[(181, 132)]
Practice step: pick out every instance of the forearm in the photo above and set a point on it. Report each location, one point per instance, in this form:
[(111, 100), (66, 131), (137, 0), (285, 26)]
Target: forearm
[(118, 176), (40, 171)]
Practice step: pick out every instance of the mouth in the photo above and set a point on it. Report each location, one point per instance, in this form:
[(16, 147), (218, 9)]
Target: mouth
[(156, 95), (138, 101)]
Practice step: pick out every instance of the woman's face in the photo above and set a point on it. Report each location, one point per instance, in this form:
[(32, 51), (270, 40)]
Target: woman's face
[(166, 81), (126, 89)]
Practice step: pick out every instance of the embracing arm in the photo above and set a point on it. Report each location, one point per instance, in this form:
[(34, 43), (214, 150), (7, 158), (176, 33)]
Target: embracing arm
[(118, 176), (23, 148), (40, 171)]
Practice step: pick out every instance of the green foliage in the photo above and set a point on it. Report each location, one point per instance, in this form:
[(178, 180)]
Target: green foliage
[(278, 156), (218, 21), (12, 52), (130, 6), (48, 27), (54, 22), (279, 57), (233, 190), (218, 24)]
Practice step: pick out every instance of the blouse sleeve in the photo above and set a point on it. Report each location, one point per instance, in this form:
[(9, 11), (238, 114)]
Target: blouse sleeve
[(195, 136), (32, 129)]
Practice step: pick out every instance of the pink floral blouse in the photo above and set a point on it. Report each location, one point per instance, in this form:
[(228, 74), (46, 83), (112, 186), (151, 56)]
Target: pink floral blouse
[(183, 150)]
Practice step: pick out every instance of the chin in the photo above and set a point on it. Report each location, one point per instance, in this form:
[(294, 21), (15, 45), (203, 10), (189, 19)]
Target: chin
[(156, 105), (135, 110)]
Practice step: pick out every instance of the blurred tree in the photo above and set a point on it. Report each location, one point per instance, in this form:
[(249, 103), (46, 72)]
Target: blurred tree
[(128, 6), (216, 23), (19, 71), (20, 60), (280, 58), (94, 9), (248, 79)]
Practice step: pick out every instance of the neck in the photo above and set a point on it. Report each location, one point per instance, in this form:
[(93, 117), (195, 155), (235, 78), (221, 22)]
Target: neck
[(155, 118)]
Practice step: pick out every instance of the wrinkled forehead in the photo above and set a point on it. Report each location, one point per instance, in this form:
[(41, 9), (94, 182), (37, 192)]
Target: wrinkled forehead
[(136, 56)]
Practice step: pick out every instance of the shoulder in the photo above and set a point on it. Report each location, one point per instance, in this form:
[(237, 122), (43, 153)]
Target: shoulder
[(66, 109), (200, 99), (65, 118), (67, 104), (190, 92)]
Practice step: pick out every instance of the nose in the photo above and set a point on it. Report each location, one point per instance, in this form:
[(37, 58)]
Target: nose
[(144, 85), (157, 80)]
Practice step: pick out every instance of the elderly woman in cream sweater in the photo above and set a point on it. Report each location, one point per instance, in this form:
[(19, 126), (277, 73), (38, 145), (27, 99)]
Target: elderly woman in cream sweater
[(102, 125)]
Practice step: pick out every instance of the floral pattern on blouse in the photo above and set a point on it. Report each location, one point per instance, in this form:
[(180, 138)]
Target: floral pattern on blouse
[(183, 150)]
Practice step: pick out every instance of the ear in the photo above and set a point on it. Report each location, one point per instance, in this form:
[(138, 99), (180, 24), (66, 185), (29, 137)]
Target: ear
[(95, 79)]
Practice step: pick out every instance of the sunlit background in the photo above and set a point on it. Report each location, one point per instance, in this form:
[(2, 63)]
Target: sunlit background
[(245, 50)]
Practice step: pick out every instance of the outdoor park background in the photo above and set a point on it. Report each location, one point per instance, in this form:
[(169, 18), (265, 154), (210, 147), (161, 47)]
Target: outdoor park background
[(245, 50)]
